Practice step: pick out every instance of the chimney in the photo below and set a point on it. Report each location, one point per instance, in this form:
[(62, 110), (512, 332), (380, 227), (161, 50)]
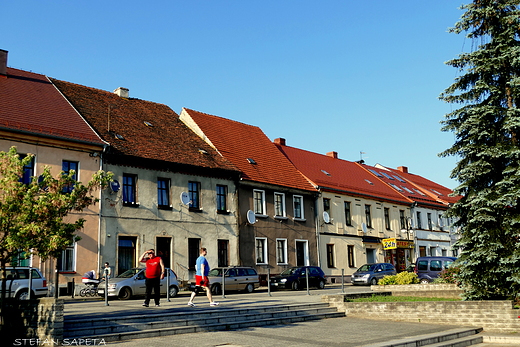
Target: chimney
[(3, 62), (279, 141), (122, 92), (333, 155), (403, 169)]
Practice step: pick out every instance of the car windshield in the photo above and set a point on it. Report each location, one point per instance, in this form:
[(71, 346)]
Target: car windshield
[(128, 273), (289, 271), (367, 267), (215, 272)]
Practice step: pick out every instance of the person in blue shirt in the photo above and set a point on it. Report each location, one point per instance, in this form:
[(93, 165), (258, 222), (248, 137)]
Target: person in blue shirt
[(201, 279)]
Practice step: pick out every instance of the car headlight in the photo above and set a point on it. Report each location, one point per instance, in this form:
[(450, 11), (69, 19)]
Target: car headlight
[(112, 286), (365, 276), (283, 280)]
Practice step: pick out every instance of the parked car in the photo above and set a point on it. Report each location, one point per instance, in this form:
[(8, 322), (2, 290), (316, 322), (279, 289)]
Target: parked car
[(236, 278), (132, 283), (17, 284), (370, 274), (429, 268), (295, 278)]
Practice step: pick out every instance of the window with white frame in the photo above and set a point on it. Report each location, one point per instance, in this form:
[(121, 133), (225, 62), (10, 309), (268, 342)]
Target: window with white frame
[(298, 206), (261, 250), (281, 251), (259, 201), (279, 204), (68, 259)]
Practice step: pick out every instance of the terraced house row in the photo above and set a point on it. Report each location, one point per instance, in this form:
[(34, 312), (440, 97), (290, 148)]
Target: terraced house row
[(192, 179)]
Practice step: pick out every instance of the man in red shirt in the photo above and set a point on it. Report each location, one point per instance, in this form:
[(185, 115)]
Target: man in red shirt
[(154, 273)]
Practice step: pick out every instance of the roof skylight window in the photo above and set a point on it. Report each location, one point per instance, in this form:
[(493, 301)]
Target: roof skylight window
[(148, 124), (375, 172), (119, 136), (326, 173), (251, 161), (408, 190), (436, 192), (203, 151), (400, 179), (396, 187), (369, 182), (387, 176), (418, 191)]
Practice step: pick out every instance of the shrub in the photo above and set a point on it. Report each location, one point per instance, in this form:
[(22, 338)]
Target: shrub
[(400, 279), (448, 275)]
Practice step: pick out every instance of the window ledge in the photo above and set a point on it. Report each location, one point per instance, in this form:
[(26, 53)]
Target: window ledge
[(131, 204), (165, 207), (68, 272), (261, 215), (299, 219), (280, 217), (223, 212), (194, 209)]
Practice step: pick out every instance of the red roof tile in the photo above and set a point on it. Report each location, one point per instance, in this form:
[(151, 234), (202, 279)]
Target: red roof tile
[(145, 129), (333, 174), (239, 142), (30, 103)]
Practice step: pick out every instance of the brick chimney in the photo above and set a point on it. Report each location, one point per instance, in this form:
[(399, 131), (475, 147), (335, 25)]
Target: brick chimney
[(279, 141), (403, 169), (3, 63), (333, 154), (122, 92)]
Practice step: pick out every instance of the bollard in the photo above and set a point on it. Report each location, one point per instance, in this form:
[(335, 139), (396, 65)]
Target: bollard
[(223, 286), (342, 281), (106, 287), (168, 285), (73, 287), (307, 280), (268, 281)]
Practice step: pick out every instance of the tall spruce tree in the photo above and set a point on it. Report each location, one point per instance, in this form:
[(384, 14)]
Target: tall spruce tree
[(487, 143)]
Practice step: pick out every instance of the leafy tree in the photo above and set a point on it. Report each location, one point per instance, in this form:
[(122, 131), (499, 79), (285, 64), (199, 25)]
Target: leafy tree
[(486, 128), (33, 216)]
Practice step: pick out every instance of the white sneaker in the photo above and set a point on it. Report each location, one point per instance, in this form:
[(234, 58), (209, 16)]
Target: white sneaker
[(214, 304), (191, 304)]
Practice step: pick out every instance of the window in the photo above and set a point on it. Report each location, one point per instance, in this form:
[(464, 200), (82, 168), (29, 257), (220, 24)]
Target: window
[(387, 218), (21, 259), (194, 193), (261, 250), (348, 214), (330, 256), (259, 201), (129, 190), (368, 216), (221, 198), (193, 252), (402, 220), (67, 167), (67, 261), (281, 251), (419, 222), (163, 193), (223, 253), (429, 217), (298, 207), (28, 170), (279, 204), (326, 205), (350, 254)]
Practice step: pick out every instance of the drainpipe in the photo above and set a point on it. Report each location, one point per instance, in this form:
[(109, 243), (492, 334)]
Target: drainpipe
[(317, 220), (99, 213)]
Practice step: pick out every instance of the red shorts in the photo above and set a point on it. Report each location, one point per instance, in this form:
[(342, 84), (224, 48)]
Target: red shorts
[(203, 282)]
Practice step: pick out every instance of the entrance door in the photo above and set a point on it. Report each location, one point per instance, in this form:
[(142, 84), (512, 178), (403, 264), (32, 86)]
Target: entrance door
[(164, 250), (371, 255), (126, 253), (302, 254)]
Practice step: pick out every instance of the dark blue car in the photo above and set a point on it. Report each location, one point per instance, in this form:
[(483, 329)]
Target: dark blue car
[(295, 278)]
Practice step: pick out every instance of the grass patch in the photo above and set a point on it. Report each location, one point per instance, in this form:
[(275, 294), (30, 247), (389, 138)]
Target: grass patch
[(380, 298)]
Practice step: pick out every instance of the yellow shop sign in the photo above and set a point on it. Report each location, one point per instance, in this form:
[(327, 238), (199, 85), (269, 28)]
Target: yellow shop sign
[(389, 243)]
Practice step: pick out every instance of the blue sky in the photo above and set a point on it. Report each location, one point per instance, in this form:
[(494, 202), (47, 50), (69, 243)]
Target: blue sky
[(346, 76)]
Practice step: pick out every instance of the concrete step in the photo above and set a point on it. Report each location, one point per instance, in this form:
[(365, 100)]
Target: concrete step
[(141, 326), (450, 338)]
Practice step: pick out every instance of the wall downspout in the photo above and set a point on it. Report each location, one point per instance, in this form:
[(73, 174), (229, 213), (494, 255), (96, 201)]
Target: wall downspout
[(99, 213), (318, 227)]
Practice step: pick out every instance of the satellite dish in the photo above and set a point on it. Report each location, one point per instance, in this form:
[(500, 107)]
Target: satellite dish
[(364, 227), (115, 186), (326, 217), (251, 217), (185, 198)]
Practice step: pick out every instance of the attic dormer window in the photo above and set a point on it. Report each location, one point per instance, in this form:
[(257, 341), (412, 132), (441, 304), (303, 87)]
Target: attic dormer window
[(326, 173), (251, 161), (148, 124)]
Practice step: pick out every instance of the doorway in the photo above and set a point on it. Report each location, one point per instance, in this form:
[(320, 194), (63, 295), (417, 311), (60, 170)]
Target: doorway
[(164, 250), (302, 254)]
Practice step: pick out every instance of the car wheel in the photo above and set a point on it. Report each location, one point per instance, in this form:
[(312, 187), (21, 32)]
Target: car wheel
[(373, 281), (250, 288), (321, 285), (22, 295), (125, 293), (216, 289), (424, 281), (173, 291), (295, 286)]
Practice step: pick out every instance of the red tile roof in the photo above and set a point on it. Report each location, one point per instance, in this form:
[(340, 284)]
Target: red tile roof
[(146, 130), (435, 190), (30, 103), (333, 174), (239, 142), (406, 188)]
